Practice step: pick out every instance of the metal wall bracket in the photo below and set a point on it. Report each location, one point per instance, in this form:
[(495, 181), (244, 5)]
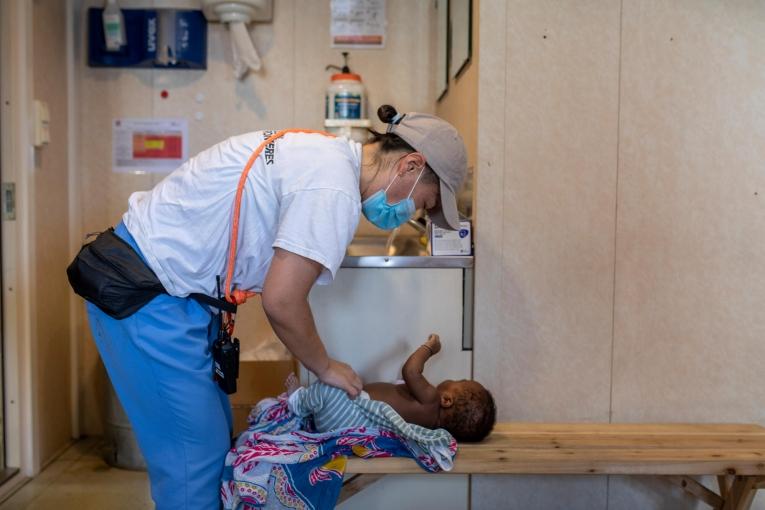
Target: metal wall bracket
[(467, 309)]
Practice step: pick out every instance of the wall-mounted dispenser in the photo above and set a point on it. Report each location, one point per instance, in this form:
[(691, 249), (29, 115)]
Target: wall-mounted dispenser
[(114, 26), (164, 38), (237, 14)]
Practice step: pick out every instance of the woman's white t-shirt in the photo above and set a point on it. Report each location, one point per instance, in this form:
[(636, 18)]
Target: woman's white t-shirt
[(301, 195)]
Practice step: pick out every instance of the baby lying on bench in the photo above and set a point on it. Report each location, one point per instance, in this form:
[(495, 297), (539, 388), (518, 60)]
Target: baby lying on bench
[(464, 408)]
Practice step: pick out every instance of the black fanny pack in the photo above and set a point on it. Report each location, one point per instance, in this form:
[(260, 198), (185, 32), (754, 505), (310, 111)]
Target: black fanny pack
[(109, 273)]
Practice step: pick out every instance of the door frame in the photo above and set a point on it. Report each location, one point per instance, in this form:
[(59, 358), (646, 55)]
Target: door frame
[(77, 321), (21, 421)]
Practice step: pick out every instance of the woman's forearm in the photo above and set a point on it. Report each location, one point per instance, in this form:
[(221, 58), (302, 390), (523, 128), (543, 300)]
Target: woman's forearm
[(294, 325), (285, 301)]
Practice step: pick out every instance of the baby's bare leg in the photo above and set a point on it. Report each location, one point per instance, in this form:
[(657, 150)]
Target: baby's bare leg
[(291, 383)]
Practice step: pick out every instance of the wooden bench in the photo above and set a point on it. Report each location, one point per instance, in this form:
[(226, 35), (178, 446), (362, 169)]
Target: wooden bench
[(735, 453)]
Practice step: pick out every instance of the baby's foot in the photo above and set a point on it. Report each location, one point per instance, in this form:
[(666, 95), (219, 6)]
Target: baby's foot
[(291, 383)]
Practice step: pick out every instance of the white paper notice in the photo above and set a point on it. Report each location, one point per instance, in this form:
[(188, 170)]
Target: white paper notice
[(358, 24), (149, 145)]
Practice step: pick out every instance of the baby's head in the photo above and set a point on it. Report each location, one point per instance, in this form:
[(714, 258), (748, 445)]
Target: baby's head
[(467, 410)]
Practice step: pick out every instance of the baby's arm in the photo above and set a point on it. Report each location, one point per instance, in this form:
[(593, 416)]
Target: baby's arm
[(419, 387)]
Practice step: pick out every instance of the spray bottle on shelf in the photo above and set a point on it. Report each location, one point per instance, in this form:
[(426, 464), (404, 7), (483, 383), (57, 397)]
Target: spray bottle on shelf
[(346, 103)]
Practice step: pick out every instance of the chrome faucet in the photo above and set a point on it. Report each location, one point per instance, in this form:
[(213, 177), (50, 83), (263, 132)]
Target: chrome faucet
[(419, 227), (390, 250)]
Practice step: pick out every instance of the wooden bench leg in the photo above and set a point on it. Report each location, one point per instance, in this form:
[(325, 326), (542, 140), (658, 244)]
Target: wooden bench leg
[(698, 490), (723, 481), (738, 495), (742, 492), (356, 484)]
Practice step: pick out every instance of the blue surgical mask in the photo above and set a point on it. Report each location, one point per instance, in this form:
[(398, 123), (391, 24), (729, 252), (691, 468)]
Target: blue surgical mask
[(389, 216)]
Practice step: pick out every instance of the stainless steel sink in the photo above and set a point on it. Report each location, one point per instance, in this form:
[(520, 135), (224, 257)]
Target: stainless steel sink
[(377, 246)]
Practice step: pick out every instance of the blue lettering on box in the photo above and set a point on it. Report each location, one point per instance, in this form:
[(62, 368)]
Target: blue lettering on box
[(151, 35)]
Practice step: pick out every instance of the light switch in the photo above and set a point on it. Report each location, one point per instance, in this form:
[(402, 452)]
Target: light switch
[(42, 123)]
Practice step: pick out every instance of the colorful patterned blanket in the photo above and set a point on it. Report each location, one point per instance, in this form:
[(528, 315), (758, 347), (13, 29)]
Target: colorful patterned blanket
[(279, 463)]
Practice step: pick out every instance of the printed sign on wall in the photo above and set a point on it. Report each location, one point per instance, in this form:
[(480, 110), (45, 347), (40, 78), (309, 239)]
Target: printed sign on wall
[(149, 145), (358, 23)]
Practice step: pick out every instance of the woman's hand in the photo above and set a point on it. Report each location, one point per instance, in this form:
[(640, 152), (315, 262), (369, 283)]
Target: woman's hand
[(341, 375)]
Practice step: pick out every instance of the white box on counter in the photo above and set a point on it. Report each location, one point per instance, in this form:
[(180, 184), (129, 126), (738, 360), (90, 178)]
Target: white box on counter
[(451, 242)]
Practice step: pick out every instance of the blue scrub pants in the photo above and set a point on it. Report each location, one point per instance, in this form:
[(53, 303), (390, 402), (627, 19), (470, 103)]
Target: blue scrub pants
[(160, 364)]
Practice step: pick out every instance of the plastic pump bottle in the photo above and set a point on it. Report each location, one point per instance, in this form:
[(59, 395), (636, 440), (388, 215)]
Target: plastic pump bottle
[(114, 26), (346, 96)]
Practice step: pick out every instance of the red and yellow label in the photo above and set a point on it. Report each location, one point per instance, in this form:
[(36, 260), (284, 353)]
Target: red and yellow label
[(157, 146)]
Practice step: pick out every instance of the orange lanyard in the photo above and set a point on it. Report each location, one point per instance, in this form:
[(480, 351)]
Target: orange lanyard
[(238, 296)]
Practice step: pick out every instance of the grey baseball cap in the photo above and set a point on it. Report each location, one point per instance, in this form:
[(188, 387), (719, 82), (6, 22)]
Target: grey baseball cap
[(444, 152)]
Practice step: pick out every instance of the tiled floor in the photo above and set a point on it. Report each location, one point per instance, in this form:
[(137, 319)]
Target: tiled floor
[(81, 480)]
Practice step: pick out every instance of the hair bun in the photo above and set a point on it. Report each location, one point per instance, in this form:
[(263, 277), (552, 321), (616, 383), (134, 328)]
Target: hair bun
[(386, 113)]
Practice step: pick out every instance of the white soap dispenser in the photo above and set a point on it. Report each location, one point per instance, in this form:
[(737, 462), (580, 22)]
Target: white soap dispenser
[(114, 26)]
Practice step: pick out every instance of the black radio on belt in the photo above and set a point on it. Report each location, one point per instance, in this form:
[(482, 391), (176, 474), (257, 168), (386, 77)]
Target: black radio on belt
[(225, 353)]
